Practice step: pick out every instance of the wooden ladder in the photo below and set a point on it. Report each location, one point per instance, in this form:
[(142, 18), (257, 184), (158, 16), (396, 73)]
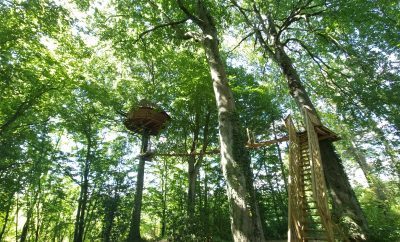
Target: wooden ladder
[(309, 215), (314, 229)]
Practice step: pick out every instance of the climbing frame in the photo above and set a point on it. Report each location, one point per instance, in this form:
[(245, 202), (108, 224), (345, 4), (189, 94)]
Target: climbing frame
[(309, 215)]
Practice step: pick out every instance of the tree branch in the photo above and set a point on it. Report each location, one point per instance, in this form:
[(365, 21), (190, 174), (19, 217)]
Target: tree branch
[(191, 16), (241, 41), (255, 29), (174, 23)]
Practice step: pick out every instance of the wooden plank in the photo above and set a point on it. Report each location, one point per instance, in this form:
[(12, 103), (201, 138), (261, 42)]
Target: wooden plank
[(211, 152), (314, 119), (267, 143)]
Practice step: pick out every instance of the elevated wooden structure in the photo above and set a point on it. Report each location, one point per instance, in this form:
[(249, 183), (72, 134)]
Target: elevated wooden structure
[(146, 119), (309, 215)]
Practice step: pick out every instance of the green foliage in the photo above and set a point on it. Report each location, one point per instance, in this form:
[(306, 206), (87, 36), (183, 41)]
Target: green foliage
[(383, 216), (66, 82)]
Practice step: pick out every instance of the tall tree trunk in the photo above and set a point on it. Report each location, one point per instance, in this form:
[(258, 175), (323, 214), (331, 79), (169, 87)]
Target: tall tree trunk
[(6, 217), (281, 165), (192, 172), (195, 164), (346, 205), (83, 197), (235, 159), (29, 215), (164, 199), (192, 177), (25, 228), (394, 161), (111, 209), (205, 212), (134, 228)]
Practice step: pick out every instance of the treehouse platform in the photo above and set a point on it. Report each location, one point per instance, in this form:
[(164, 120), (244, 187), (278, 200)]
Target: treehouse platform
[(146, 119)]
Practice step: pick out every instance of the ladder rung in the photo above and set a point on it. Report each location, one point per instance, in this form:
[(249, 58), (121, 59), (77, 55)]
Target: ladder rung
[(311, 208), (316, 238), (315, 230)]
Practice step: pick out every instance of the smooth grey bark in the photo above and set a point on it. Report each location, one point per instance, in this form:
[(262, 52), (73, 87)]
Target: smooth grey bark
[(134, 228), (235, 159)]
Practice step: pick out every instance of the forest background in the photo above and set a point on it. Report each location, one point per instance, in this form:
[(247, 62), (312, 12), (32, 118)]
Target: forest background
[(71, 70)]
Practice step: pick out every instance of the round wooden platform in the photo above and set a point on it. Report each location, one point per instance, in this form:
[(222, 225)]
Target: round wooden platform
[(146, 120)]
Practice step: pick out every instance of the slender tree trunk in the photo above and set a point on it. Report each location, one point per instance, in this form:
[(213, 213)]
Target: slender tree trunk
[(25, 228), (205, 212), (281, 166), (111, 209), (16, 219), (194, 168), (89, 218), (134, 228), (83, 197), (373, 181), (164, 199), (6, 217), (394, 161), (275, 202), (192, 177), (29, 215), (235, 159)]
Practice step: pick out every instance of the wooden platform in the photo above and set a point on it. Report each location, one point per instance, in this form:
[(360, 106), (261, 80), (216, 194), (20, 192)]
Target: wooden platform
[(146, 119)]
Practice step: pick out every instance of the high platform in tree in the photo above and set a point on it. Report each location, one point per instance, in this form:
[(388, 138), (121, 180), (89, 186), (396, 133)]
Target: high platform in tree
[(146, 118)]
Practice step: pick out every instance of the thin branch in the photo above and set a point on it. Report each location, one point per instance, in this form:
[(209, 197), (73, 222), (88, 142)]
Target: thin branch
[(174, 23), (318, 61), (241, 41), (315, 58), (255, 29), (114, 16)]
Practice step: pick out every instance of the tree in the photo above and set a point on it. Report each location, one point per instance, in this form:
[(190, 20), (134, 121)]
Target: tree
[(279, 30)]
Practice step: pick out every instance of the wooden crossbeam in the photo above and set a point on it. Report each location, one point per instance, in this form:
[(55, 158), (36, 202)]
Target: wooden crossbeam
[(211, 152), (267, 143), (217, 151), (248, 145)]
